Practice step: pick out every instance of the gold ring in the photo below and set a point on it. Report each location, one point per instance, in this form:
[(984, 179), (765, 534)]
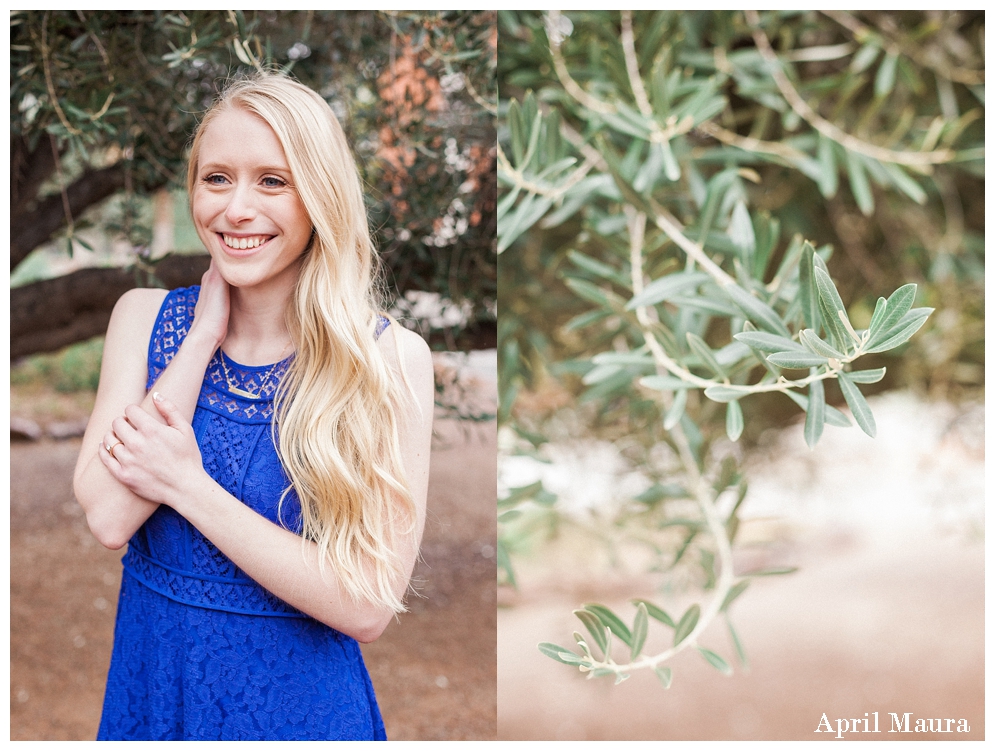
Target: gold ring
[(110, 449)]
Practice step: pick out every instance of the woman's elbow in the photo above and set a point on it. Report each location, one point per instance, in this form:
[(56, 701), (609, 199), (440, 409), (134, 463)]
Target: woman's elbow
[(373, 630), (365, 629), (106, 532), (110, 541)]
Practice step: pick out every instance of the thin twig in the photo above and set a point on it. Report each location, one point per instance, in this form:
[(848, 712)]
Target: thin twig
[(700, 487), (863, 33), (542, 189), (828, 129), (637, 231), (46, 66), (674, 127), (100, 48), (572, 87), (62, 185), (492, 108), (632, 65), (673, 229), (746, 143)]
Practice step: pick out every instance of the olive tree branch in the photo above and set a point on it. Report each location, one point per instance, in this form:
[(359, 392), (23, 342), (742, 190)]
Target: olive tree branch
[(632, 65), (560, 65), (828, 129), (556, 192), (674, 127), (673, 229), (747, 143), (637, 232), (863, 33), (700, 488), (49, 85)]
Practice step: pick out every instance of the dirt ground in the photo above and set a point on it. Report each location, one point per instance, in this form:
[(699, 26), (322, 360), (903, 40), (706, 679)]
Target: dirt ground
[(434, 671)]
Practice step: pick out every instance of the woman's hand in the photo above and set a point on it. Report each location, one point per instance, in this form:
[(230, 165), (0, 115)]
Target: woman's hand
[(154, 461), (211, 313)]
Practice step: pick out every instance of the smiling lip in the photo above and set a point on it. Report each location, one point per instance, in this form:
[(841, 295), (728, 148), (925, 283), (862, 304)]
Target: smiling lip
[(240, 245)]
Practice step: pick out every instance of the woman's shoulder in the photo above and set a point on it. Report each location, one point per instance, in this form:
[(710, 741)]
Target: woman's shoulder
[(152, 297), (142, 299), (137, 310), (401, 345), (408, 355), (410, 359)]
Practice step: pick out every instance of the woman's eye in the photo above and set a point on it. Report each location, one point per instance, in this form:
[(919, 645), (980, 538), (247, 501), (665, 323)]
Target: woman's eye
[(215, 179), (273, 182)]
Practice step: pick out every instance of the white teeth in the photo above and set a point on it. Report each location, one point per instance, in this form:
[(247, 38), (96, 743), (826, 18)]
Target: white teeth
[(244, 243)]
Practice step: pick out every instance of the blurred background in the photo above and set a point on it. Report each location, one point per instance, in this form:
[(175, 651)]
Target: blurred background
[(103, 105), (872, 148)]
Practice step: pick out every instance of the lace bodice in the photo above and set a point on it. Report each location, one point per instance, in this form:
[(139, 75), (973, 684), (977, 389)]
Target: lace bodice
[(234, 433)]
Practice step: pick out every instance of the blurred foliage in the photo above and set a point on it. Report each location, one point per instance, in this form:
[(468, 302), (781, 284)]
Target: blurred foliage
[(932, 99), (686, 200), (73, 369), (415, 92)]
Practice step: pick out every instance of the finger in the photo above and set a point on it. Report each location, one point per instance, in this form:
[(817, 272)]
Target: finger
[(209, 274), (169, 411), (139, 418), (123, 429), (110, 444), (108, 459), (104, 456), (115, 463), (109, 439)]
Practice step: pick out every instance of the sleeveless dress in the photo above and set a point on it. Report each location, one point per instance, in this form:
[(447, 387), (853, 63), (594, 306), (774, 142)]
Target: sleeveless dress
[(202, 652)]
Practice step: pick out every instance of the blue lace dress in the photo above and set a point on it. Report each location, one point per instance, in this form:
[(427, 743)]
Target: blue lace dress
[(200, 650)]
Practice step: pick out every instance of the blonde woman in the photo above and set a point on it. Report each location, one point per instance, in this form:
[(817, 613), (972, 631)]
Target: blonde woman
[(261, 443)]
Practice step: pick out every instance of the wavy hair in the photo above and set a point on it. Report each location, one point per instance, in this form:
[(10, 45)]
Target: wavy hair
[(336, 424)]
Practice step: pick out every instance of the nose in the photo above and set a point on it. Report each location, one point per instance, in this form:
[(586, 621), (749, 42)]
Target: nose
[(241, 207)]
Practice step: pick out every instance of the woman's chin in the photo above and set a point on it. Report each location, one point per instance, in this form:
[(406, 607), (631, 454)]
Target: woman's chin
[(246, 277)]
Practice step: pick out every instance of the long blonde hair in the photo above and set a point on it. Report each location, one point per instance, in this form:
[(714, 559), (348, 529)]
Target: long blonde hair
[(336, 424)]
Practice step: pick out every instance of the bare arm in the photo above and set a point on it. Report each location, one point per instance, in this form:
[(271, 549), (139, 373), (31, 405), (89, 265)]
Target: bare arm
[(113, 511), (266, 552)]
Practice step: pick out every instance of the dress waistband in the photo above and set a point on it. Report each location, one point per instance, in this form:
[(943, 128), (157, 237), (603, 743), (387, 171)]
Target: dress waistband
[(243, 596)]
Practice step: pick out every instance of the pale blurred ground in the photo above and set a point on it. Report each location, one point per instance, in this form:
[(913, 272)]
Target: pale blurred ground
[(886, 612)]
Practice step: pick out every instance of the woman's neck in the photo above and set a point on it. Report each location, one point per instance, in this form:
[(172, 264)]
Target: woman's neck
[(257, 326)]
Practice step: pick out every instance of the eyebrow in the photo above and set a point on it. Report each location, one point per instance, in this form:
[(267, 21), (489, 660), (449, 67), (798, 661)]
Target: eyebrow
[(221, 165)]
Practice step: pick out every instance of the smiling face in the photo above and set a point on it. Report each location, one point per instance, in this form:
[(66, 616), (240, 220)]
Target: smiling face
[(244, 204)]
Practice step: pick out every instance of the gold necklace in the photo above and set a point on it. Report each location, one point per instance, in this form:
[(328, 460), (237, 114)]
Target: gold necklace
[(242, 392)]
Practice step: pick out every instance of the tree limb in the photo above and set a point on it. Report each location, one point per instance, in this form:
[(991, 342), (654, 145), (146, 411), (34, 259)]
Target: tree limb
[(30, 229), (802, 108), (54, 313), (28, 170)]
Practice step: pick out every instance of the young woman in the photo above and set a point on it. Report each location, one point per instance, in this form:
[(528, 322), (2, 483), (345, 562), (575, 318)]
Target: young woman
[(261, 443)]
